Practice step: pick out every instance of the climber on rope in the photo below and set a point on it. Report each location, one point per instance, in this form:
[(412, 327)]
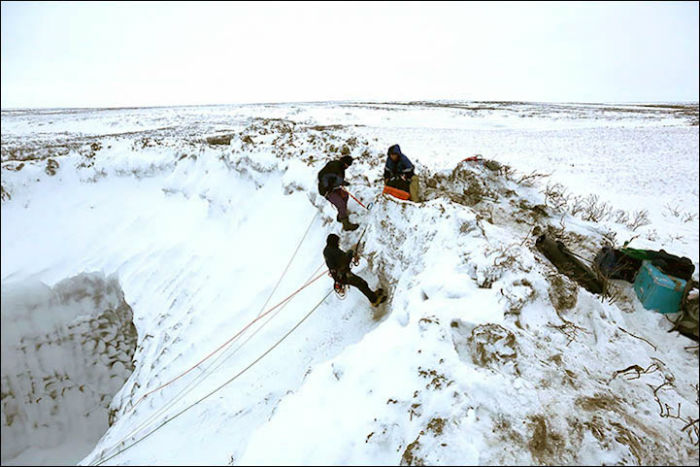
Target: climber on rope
[(331, 180), (399, 174), (338, 262)]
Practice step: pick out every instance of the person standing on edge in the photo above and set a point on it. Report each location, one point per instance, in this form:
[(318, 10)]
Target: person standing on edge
[(399, 172), (331, 180), (338, 262)]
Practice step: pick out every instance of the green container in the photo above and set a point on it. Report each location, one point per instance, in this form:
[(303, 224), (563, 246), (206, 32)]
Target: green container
[(658, 291)]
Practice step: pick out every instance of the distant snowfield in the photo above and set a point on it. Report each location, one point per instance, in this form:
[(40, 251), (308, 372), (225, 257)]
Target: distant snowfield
[(484, 355)]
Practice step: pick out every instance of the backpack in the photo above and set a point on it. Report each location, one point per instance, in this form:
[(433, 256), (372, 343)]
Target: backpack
[(614, 264), (672, 265), (568, 263)]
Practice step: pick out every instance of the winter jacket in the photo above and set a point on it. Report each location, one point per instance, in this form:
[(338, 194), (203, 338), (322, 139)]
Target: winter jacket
[(338, 261), (331, 176), (402, 167)]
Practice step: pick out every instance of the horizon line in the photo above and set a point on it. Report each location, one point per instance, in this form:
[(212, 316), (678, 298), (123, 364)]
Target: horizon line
[(358, 101)]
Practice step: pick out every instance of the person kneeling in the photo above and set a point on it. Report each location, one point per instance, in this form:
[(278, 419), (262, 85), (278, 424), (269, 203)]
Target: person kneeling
[(399, 173)]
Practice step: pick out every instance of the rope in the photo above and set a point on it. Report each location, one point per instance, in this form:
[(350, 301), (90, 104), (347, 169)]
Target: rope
[(193, 383), (221, 386), (357, 246), (223, 345), (207, 371), (353, 197), (580, 257), (361, 236), (289, 263)]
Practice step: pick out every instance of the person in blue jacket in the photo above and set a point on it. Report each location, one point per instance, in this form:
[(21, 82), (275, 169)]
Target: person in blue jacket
[(399, 172)]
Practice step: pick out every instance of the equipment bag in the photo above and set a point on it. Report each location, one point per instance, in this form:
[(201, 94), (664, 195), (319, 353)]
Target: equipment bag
[(567, 263), (670, 264), (614, 264)]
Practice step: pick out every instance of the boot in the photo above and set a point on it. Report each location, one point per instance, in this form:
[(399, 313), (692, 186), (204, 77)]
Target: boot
[(347, 225), (380, 297)]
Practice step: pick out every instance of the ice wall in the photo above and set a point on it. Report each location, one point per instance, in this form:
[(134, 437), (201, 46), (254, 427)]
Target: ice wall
[(66, 351)]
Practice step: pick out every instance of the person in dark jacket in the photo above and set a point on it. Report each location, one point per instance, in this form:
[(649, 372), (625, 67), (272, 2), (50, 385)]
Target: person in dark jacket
[(338, 262), (331, 180), (399, 172)]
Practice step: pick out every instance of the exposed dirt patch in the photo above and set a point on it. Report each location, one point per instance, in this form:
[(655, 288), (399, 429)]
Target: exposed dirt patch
[(221, 140), (464, 185), (492, 346), (51, 166), (410, 456), (563, 292), (436, 425), (13, 166), (504, 429), (598, 402), (545, 444), (436, 380)]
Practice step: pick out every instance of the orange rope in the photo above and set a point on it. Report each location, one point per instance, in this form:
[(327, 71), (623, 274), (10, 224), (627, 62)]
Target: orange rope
[(227, 342), (288, 264)]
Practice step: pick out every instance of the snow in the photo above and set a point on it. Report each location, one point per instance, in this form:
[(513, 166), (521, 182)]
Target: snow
[(470, 364)]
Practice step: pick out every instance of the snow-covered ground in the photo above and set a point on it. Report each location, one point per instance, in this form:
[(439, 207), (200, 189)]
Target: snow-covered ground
[(483, 354)]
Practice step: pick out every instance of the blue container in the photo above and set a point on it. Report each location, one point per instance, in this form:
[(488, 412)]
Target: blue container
[(658, 291)]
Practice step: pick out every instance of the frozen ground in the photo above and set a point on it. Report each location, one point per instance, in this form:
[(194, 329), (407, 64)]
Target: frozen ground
[(484, 354)]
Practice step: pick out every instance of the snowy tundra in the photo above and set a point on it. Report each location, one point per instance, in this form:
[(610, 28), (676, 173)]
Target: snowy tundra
[(145, 318)]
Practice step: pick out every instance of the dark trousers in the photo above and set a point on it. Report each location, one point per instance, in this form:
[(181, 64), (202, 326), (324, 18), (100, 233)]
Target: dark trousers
[(400, 183), (339, 198), (360, 284)]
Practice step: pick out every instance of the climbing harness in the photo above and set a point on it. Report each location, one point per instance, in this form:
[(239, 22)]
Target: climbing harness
[(340, 289)]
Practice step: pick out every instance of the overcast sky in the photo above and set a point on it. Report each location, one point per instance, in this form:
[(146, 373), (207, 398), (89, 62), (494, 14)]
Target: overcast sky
[(96, 54)]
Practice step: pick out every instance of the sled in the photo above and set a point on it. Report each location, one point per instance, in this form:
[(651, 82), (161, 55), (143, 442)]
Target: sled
[(396, 193), (400, 201)]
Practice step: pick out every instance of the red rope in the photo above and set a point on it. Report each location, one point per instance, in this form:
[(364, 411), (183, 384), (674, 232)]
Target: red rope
[(353, 197), (228, 341)]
